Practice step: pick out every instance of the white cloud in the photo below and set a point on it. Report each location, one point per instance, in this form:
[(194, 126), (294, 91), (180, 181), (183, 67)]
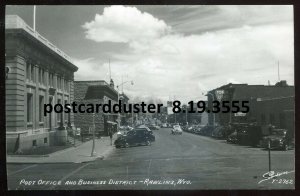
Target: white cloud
[(125, 24), (89, 69), (165, 64)]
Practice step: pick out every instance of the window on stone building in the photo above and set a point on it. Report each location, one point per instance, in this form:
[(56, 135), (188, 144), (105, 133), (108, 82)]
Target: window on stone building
[(41, 107), (59, 114), (43, 76), (61, 83), (32, 73), (28, 71), (51, 80), (29, 108), (66, 114), (40, 75), (57, 83), (34, 143), (66, 86)]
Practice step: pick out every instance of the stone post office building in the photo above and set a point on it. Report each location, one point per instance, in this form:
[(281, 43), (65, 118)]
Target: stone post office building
[(39, 73)]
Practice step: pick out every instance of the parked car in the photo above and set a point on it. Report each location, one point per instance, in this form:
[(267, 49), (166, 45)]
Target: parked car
[(135, 137), (207, 130), (164, 125), (197, 129), (278, 140), (232, 138), (189, 128), (249, 134), (151, 136), (176, 130), (153, 127), (218, 132)]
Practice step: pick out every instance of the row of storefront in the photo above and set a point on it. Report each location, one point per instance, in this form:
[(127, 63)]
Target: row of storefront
[(268, 104)]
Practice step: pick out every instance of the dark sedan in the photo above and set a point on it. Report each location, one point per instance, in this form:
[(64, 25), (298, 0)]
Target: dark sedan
[(135, 137)]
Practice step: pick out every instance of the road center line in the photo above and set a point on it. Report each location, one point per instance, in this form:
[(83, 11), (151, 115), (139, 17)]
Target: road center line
[(22, 169)]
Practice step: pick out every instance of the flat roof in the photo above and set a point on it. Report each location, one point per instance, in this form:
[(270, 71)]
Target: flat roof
[(15, 22)]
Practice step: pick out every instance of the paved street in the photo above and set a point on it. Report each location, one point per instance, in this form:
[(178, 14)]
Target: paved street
[(185, 161)]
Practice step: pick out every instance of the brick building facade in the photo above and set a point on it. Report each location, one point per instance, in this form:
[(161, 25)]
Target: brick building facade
[(39, 73), (100, 92)]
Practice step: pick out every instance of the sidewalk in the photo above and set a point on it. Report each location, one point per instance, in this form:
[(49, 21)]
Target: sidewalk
[(79, 154)]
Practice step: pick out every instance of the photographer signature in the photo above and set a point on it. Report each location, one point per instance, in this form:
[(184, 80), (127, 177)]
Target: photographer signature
[(272, 174)]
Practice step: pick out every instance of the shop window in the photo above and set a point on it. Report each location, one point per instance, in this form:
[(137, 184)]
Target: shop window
[(41, 107), (67, 86), (29, 108)]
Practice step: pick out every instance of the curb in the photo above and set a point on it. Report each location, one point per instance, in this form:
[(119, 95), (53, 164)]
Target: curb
[(60, 162)]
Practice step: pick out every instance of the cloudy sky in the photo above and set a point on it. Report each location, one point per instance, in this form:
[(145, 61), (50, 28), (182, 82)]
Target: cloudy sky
[(171, 51)]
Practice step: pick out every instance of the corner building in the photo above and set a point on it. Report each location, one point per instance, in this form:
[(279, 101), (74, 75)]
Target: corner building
[(40, 73)]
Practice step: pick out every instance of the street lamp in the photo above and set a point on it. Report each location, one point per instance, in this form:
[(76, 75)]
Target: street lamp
[(93, 153), (131, 82)]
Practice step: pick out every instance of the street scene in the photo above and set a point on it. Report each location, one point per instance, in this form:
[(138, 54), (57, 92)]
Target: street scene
[(150, 98), (204, 162)]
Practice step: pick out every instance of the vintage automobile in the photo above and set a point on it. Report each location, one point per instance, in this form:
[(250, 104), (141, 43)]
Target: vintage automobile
[(151, 136), (207, 130), (176, 130), (164, 125), (248, 134), (135, 137), (190, 128), (153, 127), (184, 128), (232, 138), (278, 140), (197, 129), (219, 132)]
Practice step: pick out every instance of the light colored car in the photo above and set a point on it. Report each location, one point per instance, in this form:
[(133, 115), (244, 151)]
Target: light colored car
[(176, 130)]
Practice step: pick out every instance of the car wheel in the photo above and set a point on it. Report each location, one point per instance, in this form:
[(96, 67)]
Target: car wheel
[(126, 145), (148, 143)]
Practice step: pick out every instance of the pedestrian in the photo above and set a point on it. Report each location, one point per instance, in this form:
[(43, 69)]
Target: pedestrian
[(110, 135)]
